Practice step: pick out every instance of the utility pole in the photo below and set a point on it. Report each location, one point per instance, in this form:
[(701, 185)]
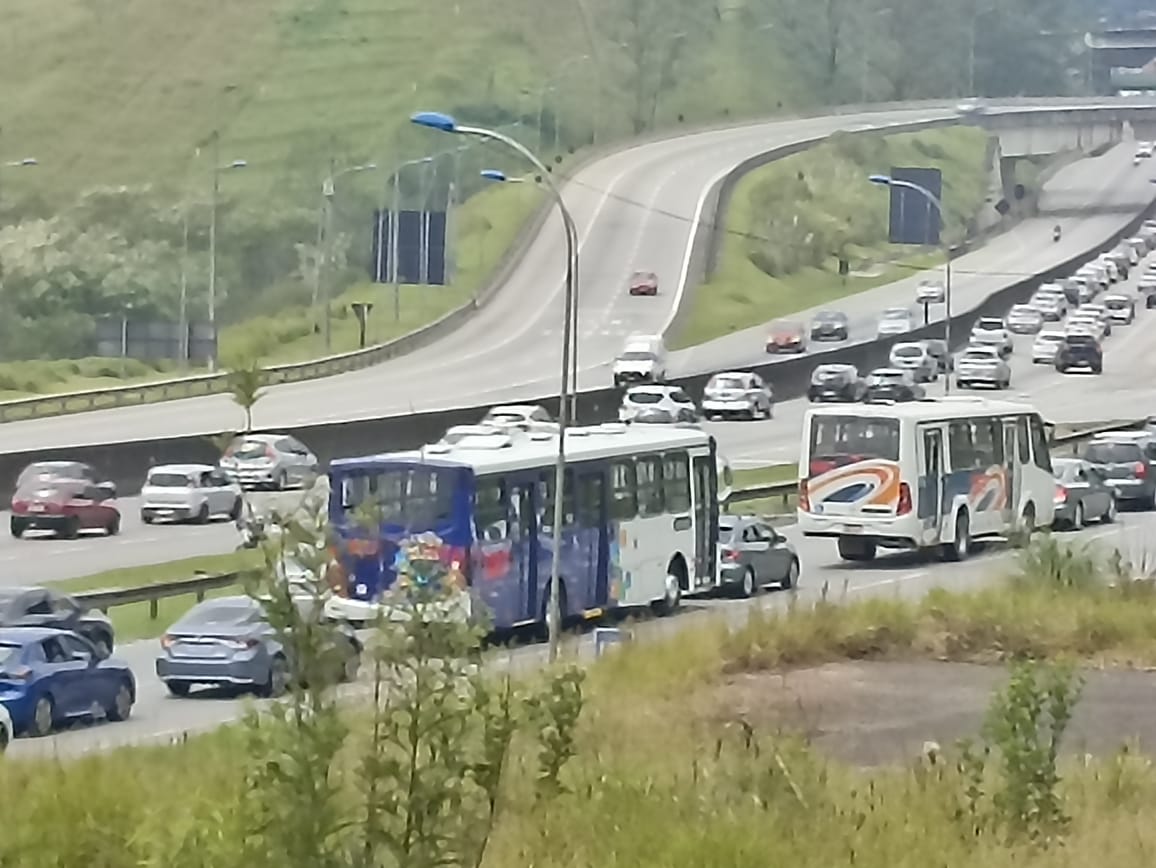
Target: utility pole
[(323, 252)]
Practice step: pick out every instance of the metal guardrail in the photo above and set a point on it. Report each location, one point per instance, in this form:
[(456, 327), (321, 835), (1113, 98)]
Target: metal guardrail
[(198, 586), (789, 488)]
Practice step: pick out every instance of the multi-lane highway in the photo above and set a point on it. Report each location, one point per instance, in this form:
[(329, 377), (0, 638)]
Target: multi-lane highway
[(158, 716), (634, 209), (1109, 187)]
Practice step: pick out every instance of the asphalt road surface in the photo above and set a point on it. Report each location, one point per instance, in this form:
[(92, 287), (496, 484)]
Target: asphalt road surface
[(158, 716), (634, 209)]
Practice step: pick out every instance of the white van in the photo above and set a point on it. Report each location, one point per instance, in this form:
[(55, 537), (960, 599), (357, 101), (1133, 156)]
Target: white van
[(929, 474), (642, 360)]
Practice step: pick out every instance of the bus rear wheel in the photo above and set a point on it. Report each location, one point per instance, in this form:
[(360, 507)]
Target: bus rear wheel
[(853, 548)]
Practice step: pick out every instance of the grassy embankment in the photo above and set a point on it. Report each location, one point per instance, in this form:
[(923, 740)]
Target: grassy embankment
[(770, 266), (675, 777), (285, 82)]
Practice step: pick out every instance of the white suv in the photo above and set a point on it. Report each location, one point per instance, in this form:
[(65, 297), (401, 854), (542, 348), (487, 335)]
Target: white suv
[(188, 492), (670, 400)]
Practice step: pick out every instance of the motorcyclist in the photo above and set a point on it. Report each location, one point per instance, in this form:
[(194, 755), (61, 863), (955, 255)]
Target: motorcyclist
[(1056, 232)]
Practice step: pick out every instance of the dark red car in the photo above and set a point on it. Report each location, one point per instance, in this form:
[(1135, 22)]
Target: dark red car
[(644, 283), (63, 496)]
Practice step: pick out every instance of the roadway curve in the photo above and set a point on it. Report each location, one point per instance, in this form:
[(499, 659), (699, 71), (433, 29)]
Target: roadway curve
[(1109, 186), (159, 717), (634, 208), (1113, 190)]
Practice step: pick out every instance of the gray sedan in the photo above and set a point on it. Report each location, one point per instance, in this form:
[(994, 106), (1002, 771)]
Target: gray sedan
[(752, 554), (1082, 494), (228, 642)]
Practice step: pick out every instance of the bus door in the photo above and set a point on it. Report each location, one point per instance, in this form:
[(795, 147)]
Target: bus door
[(705, 501), (524, 549), (592, 523), (1012, 471), (930, 506)]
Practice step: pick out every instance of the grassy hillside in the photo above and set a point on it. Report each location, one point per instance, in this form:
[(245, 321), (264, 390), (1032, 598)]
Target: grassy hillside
[(790, 220)]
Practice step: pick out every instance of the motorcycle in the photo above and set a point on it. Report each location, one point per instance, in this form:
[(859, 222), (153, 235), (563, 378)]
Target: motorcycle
[(1056, 233)]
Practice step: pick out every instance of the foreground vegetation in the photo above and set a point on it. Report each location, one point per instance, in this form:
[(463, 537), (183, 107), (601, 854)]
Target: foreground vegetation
[(446, 766), (97, 227)]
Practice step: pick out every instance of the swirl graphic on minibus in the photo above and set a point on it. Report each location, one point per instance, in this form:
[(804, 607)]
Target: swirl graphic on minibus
[(872, 482), (988, 489)]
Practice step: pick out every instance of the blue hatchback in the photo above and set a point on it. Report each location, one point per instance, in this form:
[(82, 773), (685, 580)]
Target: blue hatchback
[(48, 677)]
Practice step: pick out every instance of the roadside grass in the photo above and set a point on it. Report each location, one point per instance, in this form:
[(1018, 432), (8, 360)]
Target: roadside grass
[(135, 621), (666, 776), (837, 203)]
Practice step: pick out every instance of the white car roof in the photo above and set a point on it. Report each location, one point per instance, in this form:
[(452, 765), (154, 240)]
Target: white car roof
[(1050, 334), (513, 410), (897, 372), (737, 374), (185, 469), (981, 348), (902, 344), (647, 388)]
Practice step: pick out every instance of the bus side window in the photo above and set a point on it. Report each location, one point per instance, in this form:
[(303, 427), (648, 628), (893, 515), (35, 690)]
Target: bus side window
[(1040, 454), (650, 486), (623, 498), (1023, 440), (676, 482), (960, 447), (989, 442), (590, 500), (490, 511)]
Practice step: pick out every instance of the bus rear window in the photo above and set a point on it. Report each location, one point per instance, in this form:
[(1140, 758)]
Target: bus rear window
[(413, 497), (839, 440)]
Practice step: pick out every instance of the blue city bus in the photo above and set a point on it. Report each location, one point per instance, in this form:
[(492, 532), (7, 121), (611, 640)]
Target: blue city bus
[(640, 518)]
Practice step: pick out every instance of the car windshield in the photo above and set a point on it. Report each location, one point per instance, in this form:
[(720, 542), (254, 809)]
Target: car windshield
[(232, 613), (1113, 453), (907, 352), (838, 440), (726, 532), (45, 471), (1116, 303), (894, 313), (244, 449), (168, 480), (825, 374), (884, 378), (978, 356), (727, 383), (637, 356), (1080, 340), (644, 397), (988, 325)]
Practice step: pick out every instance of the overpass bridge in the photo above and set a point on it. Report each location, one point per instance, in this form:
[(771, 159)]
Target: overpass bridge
[(1130, 48)]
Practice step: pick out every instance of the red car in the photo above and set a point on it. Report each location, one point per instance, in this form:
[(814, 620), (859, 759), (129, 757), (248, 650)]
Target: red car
[(787, 337), (63, 496), (644, 283)]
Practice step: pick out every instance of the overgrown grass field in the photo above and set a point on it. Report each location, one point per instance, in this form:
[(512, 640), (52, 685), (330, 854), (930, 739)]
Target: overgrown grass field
[(657, 773)]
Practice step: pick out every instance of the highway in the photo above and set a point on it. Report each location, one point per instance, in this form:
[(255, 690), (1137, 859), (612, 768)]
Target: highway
[(634, 209), (1113, 189), (159, 717)]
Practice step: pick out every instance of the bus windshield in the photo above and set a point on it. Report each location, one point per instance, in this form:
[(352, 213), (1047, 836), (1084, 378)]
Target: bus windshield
[(839, 440), (411, 497)]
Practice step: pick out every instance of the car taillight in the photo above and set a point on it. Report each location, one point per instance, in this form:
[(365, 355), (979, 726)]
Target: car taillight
[(1141, 470), (804, 496), (730, 555), (241, 644), (904, 499), (1061, 494)]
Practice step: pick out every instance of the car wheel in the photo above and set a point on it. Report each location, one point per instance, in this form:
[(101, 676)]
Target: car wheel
[(202, 516), (113, 526), (71, 528), (121, 706), (1078, 517), (1109, 515), (146, 518), (178, 688), (17, 526), (749, 584), (5, 738), (235, 511), (43, 716), (278, 680), (792, 577)]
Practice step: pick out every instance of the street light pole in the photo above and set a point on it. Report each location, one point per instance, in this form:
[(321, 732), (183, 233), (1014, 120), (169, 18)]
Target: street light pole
[(937, 204), (394, 234), (446, 123), (217, 169), (322, 289)]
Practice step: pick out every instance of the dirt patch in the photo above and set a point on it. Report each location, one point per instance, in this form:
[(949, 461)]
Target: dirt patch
[(870, 713)]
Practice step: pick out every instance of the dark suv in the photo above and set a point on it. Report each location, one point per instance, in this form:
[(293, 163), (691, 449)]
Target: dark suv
[(836, 382), (1080, 351), (1127, 461)]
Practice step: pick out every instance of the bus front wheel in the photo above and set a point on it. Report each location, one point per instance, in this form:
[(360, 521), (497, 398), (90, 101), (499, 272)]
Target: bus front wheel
[(853, 548)]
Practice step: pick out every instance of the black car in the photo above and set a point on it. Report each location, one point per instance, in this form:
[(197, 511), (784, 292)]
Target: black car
[(836, 382), (39, 607), (892, 384), (1080, 351), (830, 325), (937, 349)]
